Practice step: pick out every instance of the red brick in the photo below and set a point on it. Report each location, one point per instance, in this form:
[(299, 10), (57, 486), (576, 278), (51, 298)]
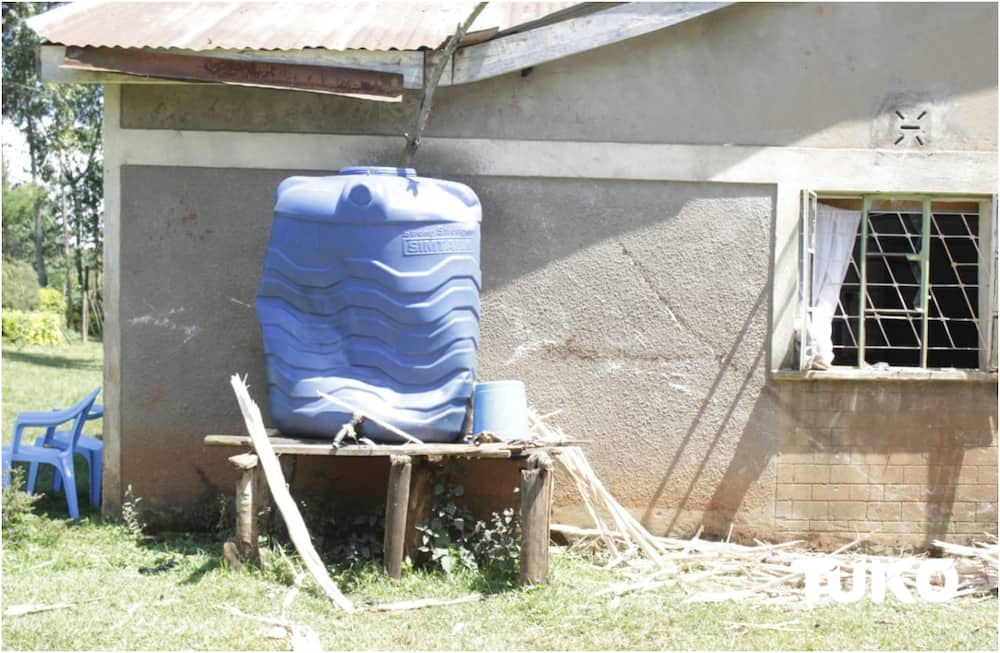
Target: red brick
[(865, 526), (809, 509), (832, 458), (913, 511), (869, 458), (976, 493), (986, 511), (915, 474), (963, 511), (980, 456), (867, 492), (800, 492), (905, 493), (812, 474), (908, 458), (904, 527), (885, 473), (848, 510), (831, 492), (883, 511), (848, 474), (967, 474)]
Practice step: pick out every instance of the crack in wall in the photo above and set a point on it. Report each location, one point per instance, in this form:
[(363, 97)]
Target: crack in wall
[(569, 349), (648, 278)]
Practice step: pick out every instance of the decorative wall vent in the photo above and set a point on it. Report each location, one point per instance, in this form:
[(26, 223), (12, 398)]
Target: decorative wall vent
[(904, 121), (912, 127)]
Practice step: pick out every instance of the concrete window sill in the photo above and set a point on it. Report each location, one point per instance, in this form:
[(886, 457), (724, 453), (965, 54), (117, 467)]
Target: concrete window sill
[(892, 374)]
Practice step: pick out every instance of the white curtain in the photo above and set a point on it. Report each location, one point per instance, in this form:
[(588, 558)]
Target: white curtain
[(836, 231)]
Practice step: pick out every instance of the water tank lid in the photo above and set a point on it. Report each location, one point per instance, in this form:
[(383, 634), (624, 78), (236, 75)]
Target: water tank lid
[(379, 170)]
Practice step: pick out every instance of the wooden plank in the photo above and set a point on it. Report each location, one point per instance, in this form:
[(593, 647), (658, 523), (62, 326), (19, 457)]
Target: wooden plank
[(367, 84), (396, 504), (536, 506), (409, 64), (305, 447), (297, 530), (534, 47)]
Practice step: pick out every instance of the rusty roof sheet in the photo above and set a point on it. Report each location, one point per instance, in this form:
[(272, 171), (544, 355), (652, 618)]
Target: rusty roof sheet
[(278, 25)]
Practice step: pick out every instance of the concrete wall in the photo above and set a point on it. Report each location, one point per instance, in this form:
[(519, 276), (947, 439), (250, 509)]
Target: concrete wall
[(650, 311)]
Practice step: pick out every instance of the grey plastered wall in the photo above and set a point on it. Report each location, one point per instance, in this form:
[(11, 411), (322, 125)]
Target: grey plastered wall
[(639, 308)]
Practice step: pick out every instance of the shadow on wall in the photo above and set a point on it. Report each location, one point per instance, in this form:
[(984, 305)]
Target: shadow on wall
[(754, 452)]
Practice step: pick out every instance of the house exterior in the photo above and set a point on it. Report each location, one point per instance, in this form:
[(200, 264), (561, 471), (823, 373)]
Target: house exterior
[(643, 197)]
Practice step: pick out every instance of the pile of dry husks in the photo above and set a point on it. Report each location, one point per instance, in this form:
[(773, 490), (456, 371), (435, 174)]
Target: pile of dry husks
[(711, 571)]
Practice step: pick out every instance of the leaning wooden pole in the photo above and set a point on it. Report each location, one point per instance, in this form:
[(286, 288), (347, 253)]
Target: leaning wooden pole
[(297, 530), (431, 81)]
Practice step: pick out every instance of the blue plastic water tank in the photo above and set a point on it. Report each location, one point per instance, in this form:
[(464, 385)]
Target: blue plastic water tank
[(370, 293)]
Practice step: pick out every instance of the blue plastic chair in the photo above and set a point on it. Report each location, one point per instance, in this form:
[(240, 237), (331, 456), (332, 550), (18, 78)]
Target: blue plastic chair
[(60, 458), (90, 448)]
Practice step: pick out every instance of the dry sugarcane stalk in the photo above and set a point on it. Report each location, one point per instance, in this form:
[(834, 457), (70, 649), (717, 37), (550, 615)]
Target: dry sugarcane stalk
[(294, 523), (302, 637), (576, 464), (389, 427), (422, 603), (32, 608), (764, 572)]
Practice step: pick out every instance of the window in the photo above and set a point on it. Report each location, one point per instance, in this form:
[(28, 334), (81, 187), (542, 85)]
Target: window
[(894, 281)]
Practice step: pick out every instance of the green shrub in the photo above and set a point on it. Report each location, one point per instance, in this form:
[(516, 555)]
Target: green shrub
[(20, 285), (30, 327), (51, 300)]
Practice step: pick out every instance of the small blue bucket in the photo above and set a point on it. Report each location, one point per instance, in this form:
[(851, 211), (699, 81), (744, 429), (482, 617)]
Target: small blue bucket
[(501, 407)]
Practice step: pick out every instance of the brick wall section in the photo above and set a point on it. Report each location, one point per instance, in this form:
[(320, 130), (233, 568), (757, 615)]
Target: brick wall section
[(904, 463)]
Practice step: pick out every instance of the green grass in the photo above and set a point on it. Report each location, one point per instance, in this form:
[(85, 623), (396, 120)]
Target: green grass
[(42, 378), (96, 566)]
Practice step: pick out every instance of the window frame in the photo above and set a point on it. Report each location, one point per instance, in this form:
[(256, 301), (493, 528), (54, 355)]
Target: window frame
[(987, 294)]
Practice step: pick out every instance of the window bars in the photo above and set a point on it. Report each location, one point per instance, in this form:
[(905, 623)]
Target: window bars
[(919, 290)]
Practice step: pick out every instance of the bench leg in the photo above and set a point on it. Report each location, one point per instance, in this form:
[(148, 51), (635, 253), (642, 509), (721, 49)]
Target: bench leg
[(243, 547), (396, 504), (536, 508), (419, 509)]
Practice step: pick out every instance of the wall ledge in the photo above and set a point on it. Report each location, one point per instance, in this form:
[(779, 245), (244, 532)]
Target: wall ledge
[(901, 374)]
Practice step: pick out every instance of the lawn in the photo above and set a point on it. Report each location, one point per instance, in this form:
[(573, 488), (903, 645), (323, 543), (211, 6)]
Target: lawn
[(130, 590)]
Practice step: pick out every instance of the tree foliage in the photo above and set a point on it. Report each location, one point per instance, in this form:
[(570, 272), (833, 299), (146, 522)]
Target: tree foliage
[(55, 220)]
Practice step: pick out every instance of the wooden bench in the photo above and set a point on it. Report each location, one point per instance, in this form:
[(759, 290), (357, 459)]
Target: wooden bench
[(408, 495)]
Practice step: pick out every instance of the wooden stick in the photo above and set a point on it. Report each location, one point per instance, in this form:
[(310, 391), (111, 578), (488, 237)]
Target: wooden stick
[(536, 504), (296, 526), (385, 425), (396, 504), (32, 608), (431, 83), (422, 603)]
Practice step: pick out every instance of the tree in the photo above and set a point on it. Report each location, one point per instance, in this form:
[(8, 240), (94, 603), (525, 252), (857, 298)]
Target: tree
[(26, 103), (62, 127)]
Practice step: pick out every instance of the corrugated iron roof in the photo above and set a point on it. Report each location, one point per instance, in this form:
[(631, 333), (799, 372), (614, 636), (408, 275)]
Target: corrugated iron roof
[(276, 25)]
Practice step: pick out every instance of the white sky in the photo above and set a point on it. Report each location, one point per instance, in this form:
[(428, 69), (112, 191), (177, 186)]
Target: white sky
[(15, 154)]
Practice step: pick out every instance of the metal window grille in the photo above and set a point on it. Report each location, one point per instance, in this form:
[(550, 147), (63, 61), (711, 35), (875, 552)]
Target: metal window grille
[(917, 292)]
